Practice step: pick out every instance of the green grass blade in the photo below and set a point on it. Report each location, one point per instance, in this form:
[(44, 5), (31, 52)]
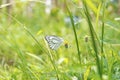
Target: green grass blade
[(47, 52), (27, 72), (102, 46), (75, 34), (92, 6), (95, 47)]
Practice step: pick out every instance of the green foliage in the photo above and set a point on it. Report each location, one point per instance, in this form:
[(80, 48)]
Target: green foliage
[(24, 54)]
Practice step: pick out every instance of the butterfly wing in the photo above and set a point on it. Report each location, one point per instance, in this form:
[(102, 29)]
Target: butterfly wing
[(54, 42)]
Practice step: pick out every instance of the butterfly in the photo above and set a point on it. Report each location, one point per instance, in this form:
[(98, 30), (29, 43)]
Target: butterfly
[(54, 42)]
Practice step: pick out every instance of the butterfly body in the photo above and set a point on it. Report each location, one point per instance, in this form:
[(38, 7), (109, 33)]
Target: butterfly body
[(54, 42)]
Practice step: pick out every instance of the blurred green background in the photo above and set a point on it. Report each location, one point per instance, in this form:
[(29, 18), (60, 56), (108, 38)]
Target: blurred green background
[(24, 22)]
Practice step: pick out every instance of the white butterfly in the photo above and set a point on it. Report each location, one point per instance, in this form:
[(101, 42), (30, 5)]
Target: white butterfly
[(54, 42)]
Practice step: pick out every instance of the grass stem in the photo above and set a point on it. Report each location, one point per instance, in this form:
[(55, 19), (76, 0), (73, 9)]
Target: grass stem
[(75, 34)]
